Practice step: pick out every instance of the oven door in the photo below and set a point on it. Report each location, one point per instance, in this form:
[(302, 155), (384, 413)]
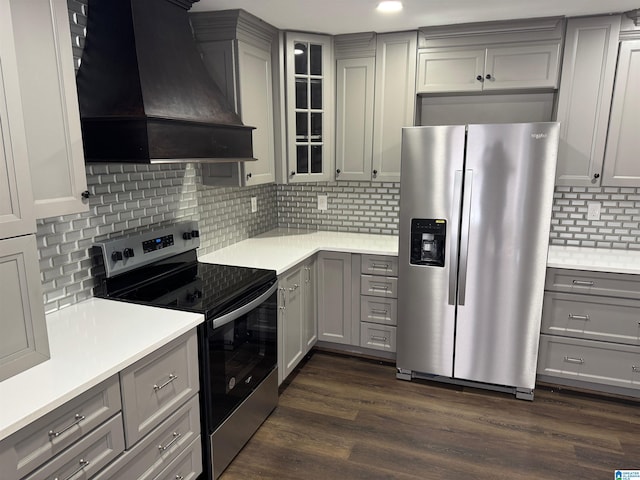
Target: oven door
[(241, 350)]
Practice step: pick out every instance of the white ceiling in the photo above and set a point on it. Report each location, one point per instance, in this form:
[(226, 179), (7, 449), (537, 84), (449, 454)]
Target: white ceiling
[(349, 16)]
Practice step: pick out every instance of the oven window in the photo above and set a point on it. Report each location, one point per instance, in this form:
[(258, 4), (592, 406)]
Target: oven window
[(241, 354)]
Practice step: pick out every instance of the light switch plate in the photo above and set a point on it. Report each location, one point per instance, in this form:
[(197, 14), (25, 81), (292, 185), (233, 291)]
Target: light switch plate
[(322, 202), (254, 204), (593, 210)]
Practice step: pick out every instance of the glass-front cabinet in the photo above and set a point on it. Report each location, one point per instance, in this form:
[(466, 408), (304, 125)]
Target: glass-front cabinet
[(310, 98)]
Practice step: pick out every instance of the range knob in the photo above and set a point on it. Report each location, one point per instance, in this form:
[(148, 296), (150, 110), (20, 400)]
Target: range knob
[(186, 235), (128, 252), (195, 233), (116, 256)]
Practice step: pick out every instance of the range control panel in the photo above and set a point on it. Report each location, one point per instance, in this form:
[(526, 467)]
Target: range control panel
[(128, 252)]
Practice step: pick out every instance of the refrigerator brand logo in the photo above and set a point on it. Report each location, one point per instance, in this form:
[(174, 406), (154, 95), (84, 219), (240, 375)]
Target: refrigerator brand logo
[(538, 136)]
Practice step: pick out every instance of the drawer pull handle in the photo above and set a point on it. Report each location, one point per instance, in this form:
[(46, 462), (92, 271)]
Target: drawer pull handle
[(175, 438), (83, 463), (380, 312), (179, 477), (294, 288), (583, 283), (635, 368), (573, 316), (380, 266), (77, 419), (379, 286), (380, 339), (172, 377), (579, 361)]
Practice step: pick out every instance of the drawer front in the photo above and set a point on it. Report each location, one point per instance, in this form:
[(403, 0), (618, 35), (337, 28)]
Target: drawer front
[(187, 466), (378, 310), (379, 286), (378, 265), (378, 337), (590, 361), (84, 458), (41, 440), (157, 385), (591, 317), (593, 283), (162, 446)]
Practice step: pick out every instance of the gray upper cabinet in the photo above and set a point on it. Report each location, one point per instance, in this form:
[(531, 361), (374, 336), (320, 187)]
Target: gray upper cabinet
[(355, 86), (621, 166), (310, 99), (50, 106), (395, 100), (514, 55), (237, 50), (584, 99), (16, 200), (23, 342)]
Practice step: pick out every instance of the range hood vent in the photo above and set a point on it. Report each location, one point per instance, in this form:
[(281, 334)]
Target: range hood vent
[(145, 95)]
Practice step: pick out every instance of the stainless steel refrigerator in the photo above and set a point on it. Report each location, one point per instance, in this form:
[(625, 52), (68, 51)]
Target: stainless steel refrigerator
[(475, 213)]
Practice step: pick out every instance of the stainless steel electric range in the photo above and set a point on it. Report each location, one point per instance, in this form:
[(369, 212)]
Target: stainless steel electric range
[(237, 343)]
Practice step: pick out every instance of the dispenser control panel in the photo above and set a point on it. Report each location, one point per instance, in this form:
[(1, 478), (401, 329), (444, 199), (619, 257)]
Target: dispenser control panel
[(428, 239)]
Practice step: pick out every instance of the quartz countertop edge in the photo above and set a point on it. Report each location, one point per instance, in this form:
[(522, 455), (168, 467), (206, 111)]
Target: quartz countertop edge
[(89, 342), (594, 259), (282, 249)]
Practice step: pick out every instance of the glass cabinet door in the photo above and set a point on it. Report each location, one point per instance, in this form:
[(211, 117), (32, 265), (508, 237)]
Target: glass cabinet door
[(309, 100)]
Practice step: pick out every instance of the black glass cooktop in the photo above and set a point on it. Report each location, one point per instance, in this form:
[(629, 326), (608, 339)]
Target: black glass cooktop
[(183, 283)]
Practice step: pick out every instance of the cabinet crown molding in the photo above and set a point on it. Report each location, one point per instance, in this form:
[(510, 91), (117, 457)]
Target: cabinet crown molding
[(231, 25), (355, 45), (635, 16), (486, 33)]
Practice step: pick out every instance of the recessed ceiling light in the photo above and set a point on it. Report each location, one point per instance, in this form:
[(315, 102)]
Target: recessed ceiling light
[(389, 6)]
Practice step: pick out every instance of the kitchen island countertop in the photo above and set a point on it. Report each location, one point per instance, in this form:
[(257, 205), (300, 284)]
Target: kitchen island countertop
[(281, 249), (89, 342)]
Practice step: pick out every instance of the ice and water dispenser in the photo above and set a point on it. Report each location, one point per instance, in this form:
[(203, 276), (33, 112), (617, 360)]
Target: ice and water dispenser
[(428, 237)]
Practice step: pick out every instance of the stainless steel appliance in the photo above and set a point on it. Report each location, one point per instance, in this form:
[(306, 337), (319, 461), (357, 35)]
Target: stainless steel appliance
[(475, 213), (237, 343)]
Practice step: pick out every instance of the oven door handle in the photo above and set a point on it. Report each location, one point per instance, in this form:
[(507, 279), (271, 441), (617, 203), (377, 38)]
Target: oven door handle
[(231, 316)]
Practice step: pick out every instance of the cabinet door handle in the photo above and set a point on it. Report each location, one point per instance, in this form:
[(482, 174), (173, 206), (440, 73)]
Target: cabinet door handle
[(179, 477), (174, 439), (284, 298), (479, 78), (76, 420), (573, 316), (172, 378), (83, 463), (579, 361), (488, 76), (294, 288), (583, 283), (635, 368)]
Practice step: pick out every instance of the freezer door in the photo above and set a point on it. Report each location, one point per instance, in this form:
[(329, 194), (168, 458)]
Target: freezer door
[(504, 240), (430, 186)]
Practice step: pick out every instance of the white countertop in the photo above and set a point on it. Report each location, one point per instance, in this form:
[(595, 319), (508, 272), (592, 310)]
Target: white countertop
[(594, 259), (281, 249), (89, 342)]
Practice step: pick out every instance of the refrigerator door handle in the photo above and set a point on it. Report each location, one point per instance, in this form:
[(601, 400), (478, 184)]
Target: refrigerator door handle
[(464, 236), (453, 236)]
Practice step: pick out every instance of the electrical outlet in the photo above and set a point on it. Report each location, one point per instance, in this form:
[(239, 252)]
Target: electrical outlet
[(254, 204), (322, 202), (593, 211)]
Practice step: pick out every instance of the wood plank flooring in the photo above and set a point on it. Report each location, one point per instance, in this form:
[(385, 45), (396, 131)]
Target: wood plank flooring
[(348, 418)]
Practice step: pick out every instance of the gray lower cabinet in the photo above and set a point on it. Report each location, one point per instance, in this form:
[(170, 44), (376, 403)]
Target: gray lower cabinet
[(87, 456), (156, 452), (297, 316), (334, 297), (156, 385), (590, 331), (378, 302), (143, 423), (42, 440)]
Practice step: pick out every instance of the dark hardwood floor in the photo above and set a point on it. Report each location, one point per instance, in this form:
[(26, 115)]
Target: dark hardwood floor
[(348, 418)]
